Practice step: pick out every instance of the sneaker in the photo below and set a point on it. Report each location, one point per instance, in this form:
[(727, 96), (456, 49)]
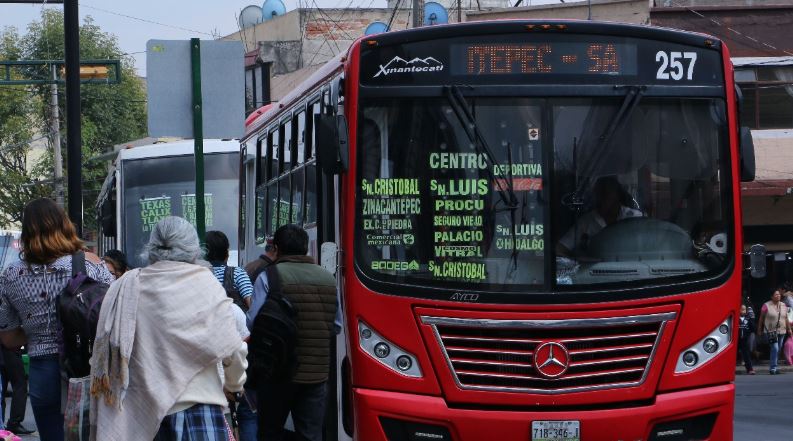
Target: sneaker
[(19, 429), (772, 373), (751, 372)]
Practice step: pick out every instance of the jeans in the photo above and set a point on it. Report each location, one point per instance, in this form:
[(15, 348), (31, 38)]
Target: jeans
[(775, 347), (306, 402), (246, 416), (743, 346), (45, 396)]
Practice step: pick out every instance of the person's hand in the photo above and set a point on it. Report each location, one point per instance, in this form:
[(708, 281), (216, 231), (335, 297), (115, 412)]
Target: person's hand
[(230, 396)]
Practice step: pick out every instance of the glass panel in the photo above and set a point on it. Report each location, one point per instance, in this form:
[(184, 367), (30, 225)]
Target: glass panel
[(261, 214), (301, 137), (315, 110), (298, 184), (287, 150), (646, 202), (249, 98), (9, 248), (259, 89), (438, 207), (274, 151), (272, 207), (154, 188), (776, 106), (284, 201), (745, 75), (311, 193)]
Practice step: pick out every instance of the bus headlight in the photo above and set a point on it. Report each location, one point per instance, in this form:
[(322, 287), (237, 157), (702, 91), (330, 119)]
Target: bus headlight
[(704, 350), (387, 353)]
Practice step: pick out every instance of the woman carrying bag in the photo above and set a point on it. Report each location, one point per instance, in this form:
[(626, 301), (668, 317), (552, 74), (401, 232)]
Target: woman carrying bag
[(773, 326)]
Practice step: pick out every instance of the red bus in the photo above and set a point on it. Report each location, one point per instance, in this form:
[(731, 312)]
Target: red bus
[(537, 227)]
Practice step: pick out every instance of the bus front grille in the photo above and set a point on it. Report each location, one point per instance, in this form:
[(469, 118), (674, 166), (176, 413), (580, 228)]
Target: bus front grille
[(549, 356)]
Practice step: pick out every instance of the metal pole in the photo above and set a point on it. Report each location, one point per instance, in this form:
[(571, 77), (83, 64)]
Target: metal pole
[(198, 138), (71, 24), (459, 11), (416, 19), (589, 9), (55, 133)]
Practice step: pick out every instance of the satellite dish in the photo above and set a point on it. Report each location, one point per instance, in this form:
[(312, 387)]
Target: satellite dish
[(434, 14), (272, 9), (250, 16), (376, 27)]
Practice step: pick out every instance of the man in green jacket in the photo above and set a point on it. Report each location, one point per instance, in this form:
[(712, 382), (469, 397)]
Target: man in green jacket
[(312, 291)]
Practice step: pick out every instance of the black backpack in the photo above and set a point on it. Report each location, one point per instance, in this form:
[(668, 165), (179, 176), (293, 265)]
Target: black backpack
[(272, 353), (77, 308), (231, 291)]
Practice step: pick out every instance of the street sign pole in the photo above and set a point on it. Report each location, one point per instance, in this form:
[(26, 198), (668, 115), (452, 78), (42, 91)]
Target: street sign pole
[(198, 138), (73, 136)]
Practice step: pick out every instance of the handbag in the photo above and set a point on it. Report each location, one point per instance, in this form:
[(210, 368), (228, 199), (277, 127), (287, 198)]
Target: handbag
[(771, 337), (76, 423)]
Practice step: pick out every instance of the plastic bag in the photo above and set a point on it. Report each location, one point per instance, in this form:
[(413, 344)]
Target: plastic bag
[(76, 424), (788, 349)]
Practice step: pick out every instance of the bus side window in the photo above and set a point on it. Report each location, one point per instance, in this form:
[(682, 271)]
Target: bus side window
[(284, 163), (299, 126), (284, 200), (311, 193), (298, 195), (272, 156), (314, 109)]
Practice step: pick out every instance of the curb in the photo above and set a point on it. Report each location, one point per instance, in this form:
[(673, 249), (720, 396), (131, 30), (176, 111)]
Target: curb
[(761, 368)]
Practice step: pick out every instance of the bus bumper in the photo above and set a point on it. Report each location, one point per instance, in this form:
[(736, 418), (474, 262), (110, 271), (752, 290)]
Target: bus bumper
[(407, 417)]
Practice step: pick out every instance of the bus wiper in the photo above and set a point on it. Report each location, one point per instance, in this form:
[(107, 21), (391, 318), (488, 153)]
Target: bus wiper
[(627, 108), (465, 115)]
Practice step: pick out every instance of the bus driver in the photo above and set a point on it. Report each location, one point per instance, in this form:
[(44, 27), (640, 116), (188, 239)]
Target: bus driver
[(610, 207)]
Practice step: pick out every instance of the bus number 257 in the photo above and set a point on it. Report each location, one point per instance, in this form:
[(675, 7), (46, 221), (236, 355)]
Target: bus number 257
[(672, 65)]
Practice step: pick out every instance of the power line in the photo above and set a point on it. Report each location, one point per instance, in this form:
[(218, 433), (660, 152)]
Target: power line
[(144, 20)]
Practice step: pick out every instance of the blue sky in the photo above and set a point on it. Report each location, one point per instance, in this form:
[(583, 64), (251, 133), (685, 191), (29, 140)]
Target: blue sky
[(198, 18)]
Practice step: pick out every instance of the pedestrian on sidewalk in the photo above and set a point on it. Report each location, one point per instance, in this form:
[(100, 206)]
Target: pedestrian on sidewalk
[(774, 325), (27, 304), (746, 329), (235, 280), (14, 374), (162, 331)]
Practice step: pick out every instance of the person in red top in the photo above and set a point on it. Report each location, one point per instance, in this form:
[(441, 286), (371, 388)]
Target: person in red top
[(774, 324)]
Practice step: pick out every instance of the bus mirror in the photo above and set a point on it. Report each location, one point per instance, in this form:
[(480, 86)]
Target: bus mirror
[(328, 257), (331, 144), (757, 261), (747, 155)]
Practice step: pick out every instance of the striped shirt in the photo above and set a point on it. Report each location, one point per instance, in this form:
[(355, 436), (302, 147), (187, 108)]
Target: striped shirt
[(27, 299), (242, 282)]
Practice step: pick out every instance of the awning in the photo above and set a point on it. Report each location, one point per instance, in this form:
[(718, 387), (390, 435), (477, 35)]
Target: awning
[(762, 61)]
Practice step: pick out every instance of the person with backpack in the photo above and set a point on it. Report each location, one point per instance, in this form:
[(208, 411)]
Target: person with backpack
[(256, 266), (234, 279), (295, 303), (162, 331), (30, 288)]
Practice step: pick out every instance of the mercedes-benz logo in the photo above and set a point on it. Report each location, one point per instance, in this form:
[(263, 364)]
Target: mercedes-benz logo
[(551, 359)]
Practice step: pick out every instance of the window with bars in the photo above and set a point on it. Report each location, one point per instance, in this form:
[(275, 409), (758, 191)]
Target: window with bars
[(767, 96)]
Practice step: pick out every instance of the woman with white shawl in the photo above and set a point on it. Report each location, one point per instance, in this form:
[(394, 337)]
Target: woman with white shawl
[(162, 331)]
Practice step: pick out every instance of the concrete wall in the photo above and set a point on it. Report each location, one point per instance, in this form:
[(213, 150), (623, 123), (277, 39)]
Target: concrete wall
[(773, 152), (624, 11)]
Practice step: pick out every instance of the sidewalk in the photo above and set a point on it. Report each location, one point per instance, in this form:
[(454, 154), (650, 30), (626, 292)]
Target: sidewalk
[(761, 368)]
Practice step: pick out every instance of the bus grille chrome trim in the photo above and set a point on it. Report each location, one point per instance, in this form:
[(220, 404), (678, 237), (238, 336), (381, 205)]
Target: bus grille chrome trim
[(498, 355)]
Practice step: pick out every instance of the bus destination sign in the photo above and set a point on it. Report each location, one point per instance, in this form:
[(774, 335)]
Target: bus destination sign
[(513, 59), (580, 58)]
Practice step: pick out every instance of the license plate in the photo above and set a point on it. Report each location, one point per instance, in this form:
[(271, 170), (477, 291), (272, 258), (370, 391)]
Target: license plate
[(555, 431)]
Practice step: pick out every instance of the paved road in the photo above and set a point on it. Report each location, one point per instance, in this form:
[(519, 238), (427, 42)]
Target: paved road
[(763, 405)]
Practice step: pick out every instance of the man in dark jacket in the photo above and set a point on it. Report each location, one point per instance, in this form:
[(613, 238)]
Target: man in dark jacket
[(312, 291)]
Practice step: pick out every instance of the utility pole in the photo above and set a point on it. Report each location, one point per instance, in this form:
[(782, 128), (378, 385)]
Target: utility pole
[(459, 11), (71, 27), (418, 13), (55, 136)]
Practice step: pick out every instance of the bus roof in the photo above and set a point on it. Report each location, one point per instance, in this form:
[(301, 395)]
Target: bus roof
[(177, 148)]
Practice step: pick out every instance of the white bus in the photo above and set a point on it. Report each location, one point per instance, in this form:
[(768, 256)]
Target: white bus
[(153, 181), (9, 248)]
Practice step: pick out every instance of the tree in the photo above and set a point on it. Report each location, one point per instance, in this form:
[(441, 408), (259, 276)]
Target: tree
[(111, 113)]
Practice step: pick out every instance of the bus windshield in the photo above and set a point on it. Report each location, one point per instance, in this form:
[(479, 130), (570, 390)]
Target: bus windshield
[(154, 188), (531, 194)]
